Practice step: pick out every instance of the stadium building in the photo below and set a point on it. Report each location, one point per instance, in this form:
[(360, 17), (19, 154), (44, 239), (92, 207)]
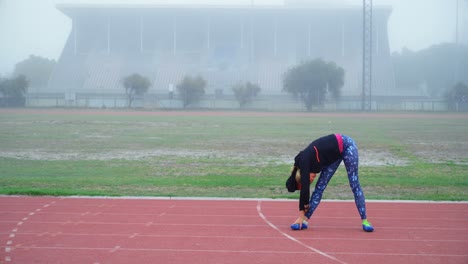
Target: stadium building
[(225, 44)]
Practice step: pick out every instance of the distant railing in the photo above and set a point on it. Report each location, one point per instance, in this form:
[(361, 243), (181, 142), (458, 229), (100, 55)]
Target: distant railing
[(283, 102)]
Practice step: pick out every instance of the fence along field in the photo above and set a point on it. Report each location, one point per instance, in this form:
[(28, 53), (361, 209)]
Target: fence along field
[(225, 154)]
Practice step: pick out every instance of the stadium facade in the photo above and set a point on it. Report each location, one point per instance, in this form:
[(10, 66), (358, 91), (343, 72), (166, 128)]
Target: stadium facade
[(225, 44)]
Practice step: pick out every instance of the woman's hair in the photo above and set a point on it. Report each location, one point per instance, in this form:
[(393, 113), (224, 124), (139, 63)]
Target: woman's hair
[(294, 183), (298, 175), (291, 182), (298, 178)]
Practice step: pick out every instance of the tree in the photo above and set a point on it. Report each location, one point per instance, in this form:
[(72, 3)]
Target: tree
[(444, 66), (245, 93), (36, 69), (312, 80), (135, 84), (13, 91), (438, 67), (191, 89), (457, 96)]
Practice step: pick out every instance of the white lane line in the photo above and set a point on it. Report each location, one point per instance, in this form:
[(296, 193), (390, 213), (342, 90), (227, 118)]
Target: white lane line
[(9, 244), (166, 250), (259, 211), (416, 228), (114, 249), (459, 217), (134, 235), (430, 255), (238, 251)]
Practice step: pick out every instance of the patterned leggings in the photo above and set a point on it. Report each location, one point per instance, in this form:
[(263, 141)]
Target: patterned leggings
[(351, 161)]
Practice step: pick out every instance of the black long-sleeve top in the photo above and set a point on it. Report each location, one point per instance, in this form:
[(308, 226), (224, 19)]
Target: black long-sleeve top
[(319, 154)]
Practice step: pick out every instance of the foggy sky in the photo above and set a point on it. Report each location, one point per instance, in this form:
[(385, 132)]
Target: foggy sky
[(36, 27)]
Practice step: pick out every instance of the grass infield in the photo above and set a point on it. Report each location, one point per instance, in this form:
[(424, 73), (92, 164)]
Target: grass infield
[(410, 156)]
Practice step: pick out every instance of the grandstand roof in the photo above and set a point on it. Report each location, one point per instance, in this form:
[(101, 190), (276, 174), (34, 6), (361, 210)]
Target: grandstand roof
[(210, 2), (72, 7)]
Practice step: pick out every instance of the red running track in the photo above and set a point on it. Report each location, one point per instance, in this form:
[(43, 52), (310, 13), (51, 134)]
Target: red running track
[(190, 231)]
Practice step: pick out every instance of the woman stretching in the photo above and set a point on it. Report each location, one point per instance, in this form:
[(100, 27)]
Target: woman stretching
[(324, 155)]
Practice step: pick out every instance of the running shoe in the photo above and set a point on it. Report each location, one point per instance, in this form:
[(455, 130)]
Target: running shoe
[(366, 226), (297, 226)]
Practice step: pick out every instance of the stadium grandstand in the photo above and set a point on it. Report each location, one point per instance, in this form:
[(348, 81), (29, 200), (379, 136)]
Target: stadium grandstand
[(224, 43)]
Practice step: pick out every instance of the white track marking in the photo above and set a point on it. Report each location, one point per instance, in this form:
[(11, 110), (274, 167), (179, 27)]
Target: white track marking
[(13, 232), (134, 235), (235, 199), (178, 250), (114, 249), (259, 211)]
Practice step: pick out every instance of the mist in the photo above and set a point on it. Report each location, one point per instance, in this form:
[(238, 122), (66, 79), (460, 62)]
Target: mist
[(38, 28), (87, 47)]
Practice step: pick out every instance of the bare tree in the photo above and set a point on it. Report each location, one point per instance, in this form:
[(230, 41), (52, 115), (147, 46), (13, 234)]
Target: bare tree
[(312, 80), (135, 84), (245, 92), (191, 89), (13, 90)]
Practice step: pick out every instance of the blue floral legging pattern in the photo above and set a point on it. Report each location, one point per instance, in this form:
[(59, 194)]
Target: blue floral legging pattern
[(351, 160)]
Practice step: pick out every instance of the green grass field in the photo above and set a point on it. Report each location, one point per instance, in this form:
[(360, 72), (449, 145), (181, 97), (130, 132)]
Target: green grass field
[(206, 154)]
